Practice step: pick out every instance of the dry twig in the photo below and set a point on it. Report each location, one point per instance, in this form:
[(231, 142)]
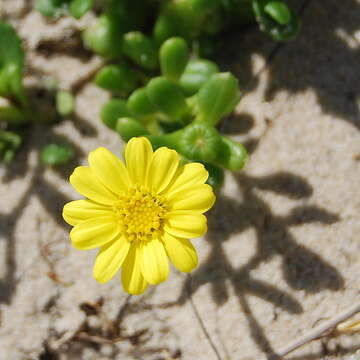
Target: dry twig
[(322, 330)]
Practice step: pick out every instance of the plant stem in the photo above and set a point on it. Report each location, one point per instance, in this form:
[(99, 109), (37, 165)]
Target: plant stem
[(315, 333)]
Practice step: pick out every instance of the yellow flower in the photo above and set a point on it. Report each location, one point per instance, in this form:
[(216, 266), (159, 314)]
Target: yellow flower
[(139, 215)]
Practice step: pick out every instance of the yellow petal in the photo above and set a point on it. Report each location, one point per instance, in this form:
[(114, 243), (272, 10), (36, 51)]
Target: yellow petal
[(110, 258), (94, 232), (154, 263), (189, 175), (109, 170), (138, 155), (86, 183), (131, 277), (198, 198), (181, 252), (80, 210), (185, 224), (162, 169)]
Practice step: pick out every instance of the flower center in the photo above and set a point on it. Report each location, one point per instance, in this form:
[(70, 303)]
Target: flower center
[(141, 214)]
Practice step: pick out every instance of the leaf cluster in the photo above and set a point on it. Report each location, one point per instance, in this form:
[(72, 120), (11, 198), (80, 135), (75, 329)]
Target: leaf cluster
[(12, 95), (197, 20), (16, 110), (164, 86), (180, 108)]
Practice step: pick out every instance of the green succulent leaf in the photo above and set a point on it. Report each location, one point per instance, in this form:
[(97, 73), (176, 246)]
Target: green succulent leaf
[(185, 18), (169, 140), (11, 83), (51, 8), (231, 154), (79, 7), (199, 141), (176, 18), (174, 55), (286, 32), (56, 154), (65, 102), (10, 41), (279, 11), (128, 127), (276, 19), (167, 97), (112, 111), (140, 49), (11, 64), (104, 37), (117, 78), (218, 97), (196, 74), (139, 103)]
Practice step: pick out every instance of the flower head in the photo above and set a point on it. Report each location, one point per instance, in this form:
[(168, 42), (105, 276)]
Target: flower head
[(139, 215)]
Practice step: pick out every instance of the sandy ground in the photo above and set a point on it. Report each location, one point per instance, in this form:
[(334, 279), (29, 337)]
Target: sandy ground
[(281, 255)]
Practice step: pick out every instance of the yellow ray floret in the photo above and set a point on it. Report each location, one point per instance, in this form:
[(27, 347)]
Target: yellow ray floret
[(139, 215)]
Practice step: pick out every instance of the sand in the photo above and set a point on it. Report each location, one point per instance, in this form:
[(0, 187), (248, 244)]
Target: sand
[(281, 254)]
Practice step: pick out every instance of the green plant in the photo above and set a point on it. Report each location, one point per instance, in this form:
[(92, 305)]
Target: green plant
[(11, 65), (52, 8), (136, 28), (17, 110), (13, 101), (276, 19), (164, 88), (181, 110)]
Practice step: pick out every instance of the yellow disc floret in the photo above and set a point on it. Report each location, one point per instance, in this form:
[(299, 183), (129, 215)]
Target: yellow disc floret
[(140, 214)]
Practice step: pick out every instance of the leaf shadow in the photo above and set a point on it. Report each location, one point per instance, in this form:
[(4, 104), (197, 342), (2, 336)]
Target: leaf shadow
[(302, 268), (320, 60), (49, 195), (52, 199)]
